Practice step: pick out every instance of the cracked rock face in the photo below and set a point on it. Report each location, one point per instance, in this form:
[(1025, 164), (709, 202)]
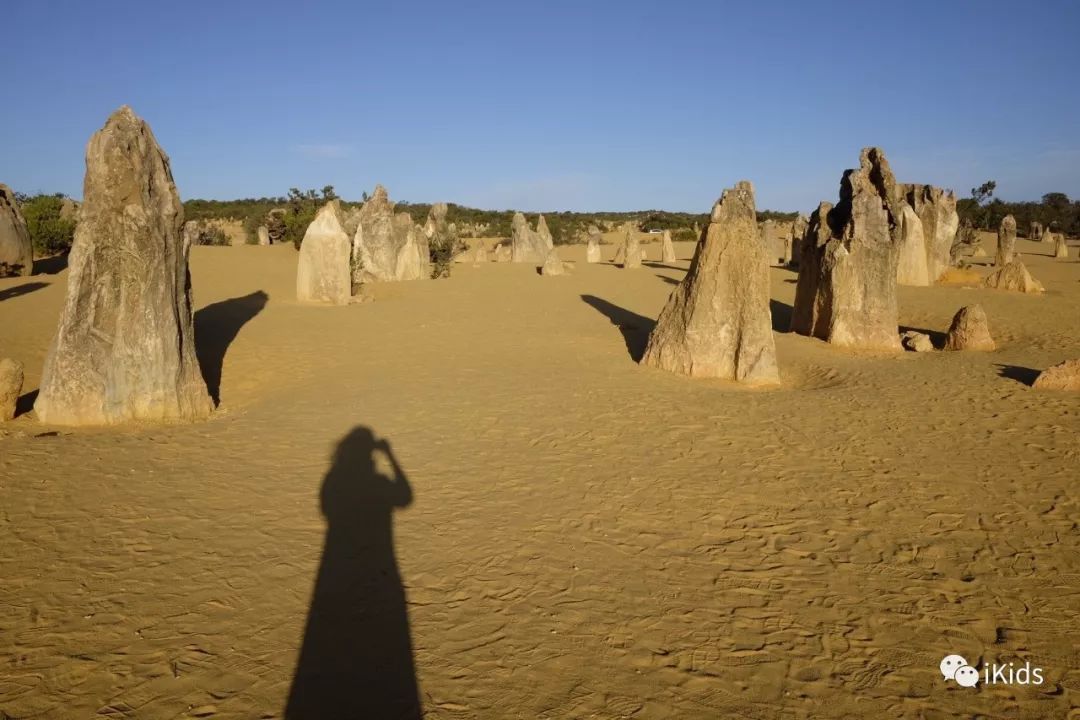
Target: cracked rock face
[(717, 322), (846, 292), (667, 248), (526, 244), (1006, 241), (970, 330), (631, 250), (1063, 376), (125, 346), (16, 250), (11, 383), (322, 270), (386, 246), (911, 265), (592, 250), (936, 209), (1013, 276)]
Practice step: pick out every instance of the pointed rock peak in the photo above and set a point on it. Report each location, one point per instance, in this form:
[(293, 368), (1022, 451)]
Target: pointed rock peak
[(735, 202), (122, 113)]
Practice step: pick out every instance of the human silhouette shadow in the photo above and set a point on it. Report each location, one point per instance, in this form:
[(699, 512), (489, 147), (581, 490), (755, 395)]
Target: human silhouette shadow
[(216, 326), (635, 328), (23, 289), (356, 660)]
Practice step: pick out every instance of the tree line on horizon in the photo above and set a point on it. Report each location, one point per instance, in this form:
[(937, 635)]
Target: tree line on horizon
[(52, 234), (566, 226)]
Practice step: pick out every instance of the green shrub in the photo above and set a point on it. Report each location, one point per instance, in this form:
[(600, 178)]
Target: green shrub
[(49, 233), (444, 245), (296, 222), (208, 233)]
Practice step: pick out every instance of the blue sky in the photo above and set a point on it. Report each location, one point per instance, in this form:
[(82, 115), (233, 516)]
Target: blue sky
[(551, 105)]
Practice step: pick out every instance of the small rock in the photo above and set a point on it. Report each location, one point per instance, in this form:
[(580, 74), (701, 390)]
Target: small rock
[(1063, 376), (969, 330), (915, 341), (11, 382)]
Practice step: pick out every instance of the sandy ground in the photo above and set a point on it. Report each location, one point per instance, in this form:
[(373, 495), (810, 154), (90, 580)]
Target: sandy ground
[(569, 535)]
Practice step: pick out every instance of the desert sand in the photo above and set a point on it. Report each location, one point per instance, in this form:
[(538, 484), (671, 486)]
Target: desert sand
[(569, 534)]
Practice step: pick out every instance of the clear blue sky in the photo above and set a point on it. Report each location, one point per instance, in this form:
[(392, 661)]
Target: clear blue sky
[(550, 105)]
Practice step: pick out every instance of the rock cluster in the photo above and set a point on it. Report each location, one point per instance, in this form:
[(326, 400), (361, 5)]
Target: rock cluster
[(125, 346), (527, 245), (16, 250), (386, 246), (936, 209), (846, 291), (717, 322)]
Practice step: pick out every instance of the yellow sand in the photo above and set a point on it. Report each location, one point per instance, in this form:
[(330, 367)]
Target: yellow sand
[(585, 538)]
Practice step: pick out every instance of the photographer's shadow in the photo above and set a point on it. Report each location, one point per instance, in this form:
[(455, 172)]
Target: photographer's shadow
[(356, 660)]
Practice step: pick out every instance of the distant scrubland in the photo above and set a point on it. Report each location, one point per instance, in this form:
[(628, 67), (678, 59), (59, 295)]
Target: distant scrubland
[(52, 230)]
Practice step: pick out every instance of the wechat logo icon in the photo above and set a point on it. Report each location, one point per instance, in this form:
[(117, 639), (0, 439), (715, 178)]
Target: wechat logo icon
[(955, 667)]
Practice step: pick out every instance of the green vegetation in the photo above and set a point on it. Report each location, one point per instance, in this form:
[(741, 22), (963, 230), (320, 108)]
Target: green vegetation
[(296, 211), (287, 217), (1055, 211), (207, 233), (50, 233), (566, 227), (444, 245)]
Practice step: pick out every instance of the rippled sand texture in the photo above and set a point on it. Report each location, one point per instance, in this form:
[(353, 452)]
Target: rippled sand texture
[(576, 536)]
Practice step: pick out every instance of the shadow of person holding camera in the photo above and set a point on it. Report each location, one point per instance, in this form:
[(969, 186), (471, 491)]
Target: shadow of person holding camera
[(356, 660)]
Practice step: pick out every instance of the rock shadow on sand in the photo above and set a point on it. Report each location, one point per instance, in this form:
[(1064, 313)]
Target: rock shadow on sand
[(356, 660), (1018, 373), (53, 265), (635, 328), (13, 292), (781, 316), (216, 326)]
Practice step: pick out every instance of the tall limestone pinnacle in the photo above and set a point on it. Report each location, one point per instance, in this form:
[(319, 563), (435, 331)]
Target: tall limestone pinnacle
[(846, 292), (717, 322), (125, 345)]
